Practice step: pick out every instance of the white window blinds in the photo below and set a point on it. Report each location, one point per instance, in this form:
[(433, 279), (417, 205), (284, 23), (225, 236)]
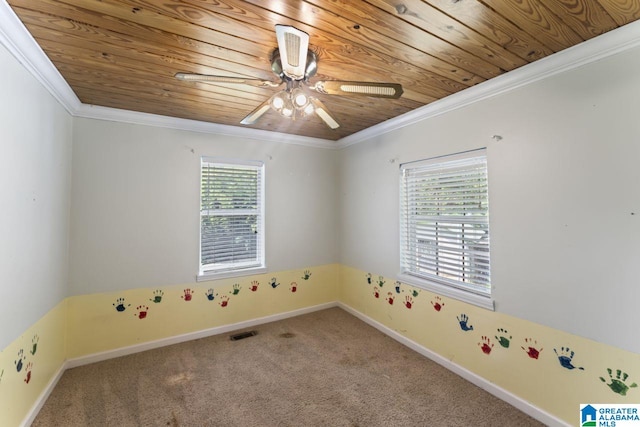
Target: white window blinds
[(231, 216), (445, 222)]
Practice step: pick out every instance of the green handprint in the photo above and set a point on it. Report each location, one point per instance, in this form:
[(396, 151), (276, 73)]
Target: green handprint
[(34, 342), (617, 384), (306, 275), (157, 296), (236, 289), (502, 339)]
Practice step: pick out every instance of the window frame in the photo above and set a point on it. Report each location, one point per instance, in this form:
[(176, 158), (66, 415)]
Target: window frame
[(444, 286), (206, 272)]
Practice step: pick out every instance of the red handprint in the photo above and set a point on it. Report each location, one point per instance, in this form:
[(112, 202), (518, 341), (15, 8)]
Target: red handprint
[(408, 301), (486, 345), (187, 295), (28, 369), (437, 304), (142, 311), (390, 298), (254, 286), (533, 352)]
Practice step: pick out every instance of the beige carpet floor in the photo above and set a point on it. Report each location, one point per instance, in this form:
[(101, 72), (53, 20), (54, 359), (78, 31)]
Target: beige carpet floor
[(326, 368)]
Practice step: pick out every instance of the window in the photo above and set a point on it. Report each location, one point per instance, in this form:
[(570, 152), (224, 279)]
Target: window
[(231, 218), (445, 226)]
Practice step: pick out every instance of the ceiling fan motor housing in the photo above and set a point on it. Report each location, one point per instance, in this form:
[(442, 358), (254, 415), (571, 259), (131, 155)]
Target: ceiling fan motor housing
[(310, 69)]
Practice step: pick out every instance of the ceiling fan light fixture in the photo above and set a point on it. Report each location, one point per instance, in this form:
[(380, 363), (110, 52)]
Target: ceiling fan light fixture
[(277, 102), (287, 109), (300, 99), (293, 63)]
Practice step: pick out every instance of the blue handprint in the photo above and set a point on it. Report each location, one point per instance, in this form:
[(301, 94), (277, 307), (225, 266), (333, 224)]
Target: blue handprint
[(21, 358), (397, 288), (463, 319), (119, 304), (565, 358), (274, 283), (210, 294)]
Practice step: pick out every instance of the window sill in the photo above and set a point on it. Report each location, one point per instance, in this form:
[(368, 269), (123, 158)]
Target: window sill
[(468, 297), (213, 275)]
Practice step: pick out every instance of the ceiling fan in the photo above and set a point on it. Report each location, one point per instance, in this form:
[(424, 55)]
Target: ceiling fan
[(294, 63)]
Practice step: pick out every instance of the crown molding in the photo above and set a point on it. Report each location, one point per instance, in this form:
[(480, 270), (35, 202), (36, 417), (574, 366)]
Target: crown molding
[(19, 42), (597, 48), (145, 119), (15, 37)]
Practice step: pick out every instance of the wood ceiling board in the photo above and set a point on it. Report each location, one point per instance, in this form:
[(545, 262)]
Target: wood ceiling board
[(482, 19), (124, 53)]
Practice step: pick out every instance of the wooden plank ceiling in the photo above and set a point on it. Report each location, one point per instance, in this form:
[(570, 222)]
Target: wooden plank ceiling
[(124, 53)]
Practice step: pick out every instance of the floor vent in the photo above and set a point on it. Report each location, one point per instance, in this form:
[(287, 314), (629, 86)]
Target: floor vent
[(243, 335)]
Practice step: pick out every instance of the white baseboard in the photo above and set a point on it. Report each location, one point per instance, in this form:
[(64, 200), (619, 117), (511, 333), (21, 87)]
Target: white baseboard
[(149, 345), (123, 351), (499, 392), (495, 390), (33, 412)]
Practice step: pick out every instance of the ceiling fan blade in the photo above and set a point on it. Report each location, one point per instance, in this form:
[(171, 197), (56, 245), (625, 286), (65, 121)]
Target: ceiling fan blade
[(378, 90), (253, 116), (192, 77), (293, 45), (323, 113)]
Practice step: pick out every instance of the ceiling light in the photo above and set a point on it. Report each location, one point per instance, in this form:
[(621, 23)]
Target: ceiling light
[(300, 99), (287, 109), (277, 102)]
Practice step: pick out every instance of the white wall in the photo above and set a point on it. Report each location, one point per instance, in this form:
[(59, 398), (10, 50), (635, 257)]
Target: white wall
[(35, 170), (135, 204), (564, 196)]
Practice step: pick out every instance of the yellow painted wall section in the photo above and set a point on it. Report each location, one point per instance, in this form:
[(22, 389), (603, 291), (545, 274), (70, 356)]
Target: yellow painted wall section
[(29, 363), (104, 322), (553, 370)]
